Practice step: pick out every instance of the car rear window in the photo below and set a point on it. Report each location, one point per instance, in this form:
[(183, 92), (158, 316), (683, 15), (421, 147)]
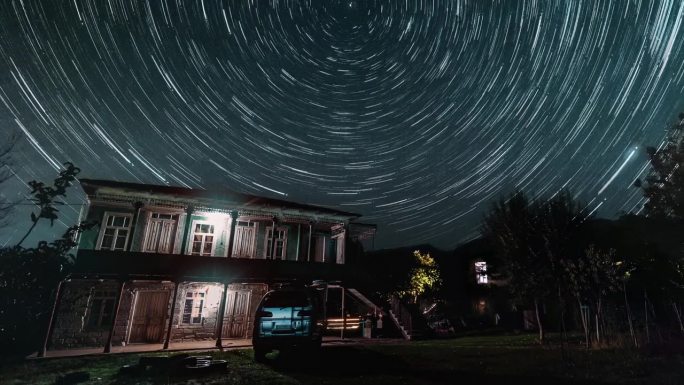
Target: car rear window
[(286, 299)]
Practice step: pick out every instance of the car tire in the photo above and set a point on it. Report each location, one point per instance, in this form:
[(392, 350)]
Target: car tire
[(260, 354)]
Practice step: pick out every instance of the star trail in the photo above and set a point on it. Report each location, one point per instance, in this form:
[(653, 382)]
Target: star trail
[(415, 113)]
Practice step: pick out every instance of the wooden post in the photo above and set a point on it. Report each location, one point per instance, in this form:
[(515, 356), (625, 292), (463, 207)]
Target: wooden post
[(186, 231), (308, 249), (134, 225), (299, 239), (51, 323), (173, 310), (231, 241), (273, 238), (117, 305), (219, 320), (344, 316)]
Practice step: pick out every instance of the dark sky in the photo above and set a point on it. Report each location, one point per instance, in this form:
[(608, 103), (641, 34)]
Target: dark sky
[(415, 113)]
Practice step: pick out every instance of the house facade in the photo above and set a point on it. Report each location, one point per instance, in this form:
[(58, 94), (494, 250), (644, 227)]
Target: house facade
[(167, 264)]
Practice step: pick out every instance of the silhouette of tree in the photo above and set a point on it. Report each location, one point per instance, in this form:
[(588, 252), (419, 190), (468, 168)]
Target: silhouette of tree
[(6, 150), (664, 184), (533, 239), (29, 276)]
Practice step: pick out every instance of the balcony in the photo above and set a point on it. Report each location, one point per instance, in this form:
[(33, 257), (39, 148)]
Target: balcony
[(151, 266)]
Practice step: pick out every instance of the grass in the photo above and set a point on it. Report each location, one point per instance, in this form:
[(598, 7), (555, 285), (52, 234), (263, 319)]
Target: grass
[(468, 360)]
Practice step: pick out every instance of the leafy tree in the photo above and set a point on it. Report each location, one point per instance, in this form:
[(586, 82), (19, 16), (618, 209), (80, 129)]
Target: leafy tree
[(664, 184), (45, 197), (424, 277), (533, 238), (6, 150), (29, 276)]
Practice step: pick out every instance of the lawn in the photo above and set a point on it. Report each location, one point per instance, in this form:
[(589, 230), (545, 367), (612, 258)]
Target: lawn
[(468, 360)]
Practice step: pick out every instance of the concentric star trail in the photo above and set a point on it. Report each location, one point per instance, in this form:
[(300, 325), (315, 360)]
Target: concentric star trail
[(416, 114)]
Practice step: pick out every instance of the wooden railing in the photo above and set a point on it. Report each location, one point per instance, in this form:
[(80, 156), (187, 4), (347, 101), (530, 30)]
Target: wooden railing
[(402, 314)]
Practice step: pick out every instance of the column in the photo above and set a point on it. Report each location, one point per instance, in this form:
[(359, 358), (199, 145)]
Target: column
[(51, 323), (308, 249), (117, 305), (186, 231), (176, 283), (273, 237), (231, 241), (134, 225), (219, 319)]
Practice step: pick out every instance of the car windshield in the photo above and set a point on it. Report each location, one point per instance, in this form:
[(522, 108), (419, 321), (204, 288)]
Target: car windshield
[(286, 299)]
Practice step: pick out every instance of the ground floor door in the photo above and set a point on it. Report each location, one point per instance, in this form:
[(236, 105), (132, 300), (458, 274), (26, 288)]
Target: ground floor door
[(236, 319), (149, 317)]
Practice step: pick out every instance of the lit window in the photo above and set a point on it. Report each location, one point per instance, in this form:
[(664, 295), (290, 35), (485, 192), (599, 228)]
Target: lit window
[(194, 305), (115, 231), (101, 309), (202, 239), (280, 245), (481, 273)]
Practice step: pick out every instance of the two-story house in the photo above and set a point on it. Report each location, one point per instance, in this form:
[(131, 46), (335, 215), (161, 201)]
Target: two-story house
[(168, 264)]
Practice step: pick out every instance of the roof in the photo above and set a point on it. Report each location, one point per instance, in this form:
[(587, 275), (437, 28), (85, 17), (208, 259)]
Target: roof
[(92, 186)]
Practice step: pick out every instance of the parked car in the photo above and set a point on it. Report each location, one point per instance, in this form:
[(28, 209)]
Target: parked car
[(287, 319)]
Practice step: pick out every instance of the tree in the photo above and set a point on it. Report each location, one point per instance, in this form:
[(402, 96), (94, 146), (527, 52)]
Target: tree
[(6, 150), (29, 276), (533, 238), (424, 277), (664, 184), (45, 197)]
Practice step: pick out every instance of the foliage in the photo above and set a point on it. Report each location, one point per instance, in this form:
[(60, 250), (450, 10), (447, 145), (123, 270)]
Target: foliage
[(7, 146), (29, 276), (664, 184), (45, 197), (424, 277)]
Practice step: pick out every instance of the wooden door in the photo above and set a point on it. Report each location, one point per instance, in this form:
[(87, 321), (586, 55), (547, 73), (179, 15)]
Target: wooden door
[(245, 236), (160, 233), (236, 319), (149, 317)]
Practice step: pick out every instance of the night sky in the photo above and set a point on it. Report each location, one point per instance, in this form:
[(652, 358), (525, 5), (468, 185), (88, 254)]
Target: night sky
[(416, 114)]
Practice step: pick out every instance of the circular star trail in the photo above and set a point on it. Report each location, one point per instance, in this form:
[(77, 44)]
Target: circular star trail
[(416, 114)]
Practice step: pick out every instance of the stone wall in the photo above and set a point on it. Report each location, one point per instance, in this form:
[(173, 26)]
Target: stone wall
[(70, 328), (71, 324), (207, 328)]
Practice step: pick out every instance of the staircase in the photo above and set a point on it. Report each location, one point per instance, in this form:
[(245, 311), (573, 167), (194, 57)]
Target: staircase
[(407, 318)]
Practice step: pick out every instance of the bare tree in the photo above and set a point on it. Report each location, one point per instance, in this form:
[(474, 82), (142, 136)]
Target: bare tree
[(7, 147)]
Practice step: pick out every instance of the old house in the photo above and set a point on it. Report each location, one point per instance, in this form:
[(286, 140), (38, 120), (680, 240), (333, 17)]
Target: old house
[(167, 264)]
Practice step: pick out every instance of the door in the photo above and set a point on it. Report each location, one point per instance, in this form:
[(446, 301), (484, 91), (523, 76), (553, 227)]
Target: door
[(161, 231), (245, 236), (149, 317), (236, 319)]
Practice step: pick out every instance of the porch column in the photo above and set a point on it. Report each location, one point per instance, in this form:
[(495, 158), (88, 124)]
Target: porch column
[(117, 305), (273, 238), (51, 322), (308, 249), (186, 231), (299, 239), (134, 224), (231, 241), (176, 283), (221, 311), (344, 316)]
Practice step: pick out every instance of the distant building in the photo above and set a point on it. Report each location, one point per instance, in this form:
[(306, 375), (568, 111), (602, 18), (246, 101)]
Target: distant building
[(169, 264)]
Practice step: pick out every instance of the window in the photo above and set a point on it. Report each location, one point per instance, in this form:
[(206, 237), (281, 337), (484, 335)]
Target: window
[(194, 305), (245, 236), (101, 310), (280, 245), (202, 239), (481, 272), (115, 231), (160, 234)]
